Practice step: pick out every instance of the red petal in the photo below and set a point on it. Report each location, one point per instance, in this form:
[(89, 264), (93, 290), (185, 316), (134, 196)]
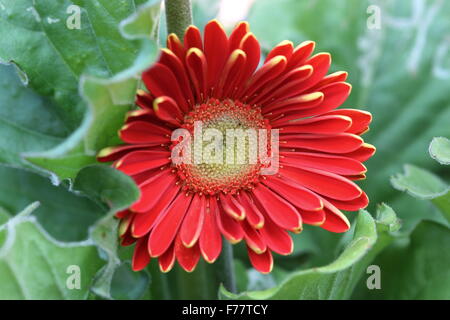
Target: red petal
[(334, 95), (144, 222), (351, 205), (142, 160), (229, 227), (167, 226), (282, 86), (238, 33), (327, 162), (339, 76), (193, 38), (305, 101), (321, 63), (276, 238), (325, 183), (161, 81), (167, 259), (315, 218), (114, 153), (141, 258), (337, 143), (294, 193), (301, 54), (251, 47), (360, 119), (193, 222), (144, 99), (197, 68), (122, 214), (335, 220), (262, 262), (166, 109), (284, 48), (232, 207), (216, 51), (153, 189), (363, 153), (231, 72), (147, 115), (127, 239), (187, 257), (361, 176), (253, 215), (169, 59), (144, 132), (270, 70), (140, 178), (253, 238), (321, 125), (288, 87), (210, 238), (175, 45), (278, 209)]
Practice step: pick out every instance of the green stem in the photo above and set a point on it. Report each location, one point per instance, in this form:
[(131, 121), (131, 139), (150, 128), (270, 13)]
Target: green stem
[(178, 16), (227, 275), (198, 285), (165, 290)]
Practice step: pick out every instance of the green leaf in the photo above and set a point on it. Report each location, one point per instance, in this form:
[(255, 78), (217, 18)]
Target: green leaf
[(70, 215), (337, 279), (127, 284), (99, 49), (64, 214), (36, 127), (4, 216), (419, 183), (118, 191), (35, 266), (440, 150), (107, 185), (424, 185), (417, 267)]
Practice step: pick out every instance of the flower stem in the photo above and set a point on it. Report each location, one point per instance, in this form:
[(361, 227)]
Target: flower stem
[(178, 16), (228, 278)]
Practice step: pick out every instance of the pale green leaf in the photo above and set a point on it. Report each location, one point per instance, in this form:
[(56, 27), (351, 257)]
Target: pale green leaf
[(35, 266), (416, 268), (337, 279), (118, 191), (440, 150), (64, 214), (97, 50), (419, 183), (36, 127), (424, 185)]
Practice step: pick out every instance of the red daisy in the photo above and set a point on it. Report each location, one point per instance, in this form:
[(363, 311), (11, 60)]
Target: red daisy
[(185, 209)]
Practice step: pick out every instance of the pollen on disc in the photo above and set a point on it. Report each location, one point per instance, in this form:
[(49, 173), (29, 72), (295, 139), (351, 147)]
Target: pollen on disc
[(225, 161)]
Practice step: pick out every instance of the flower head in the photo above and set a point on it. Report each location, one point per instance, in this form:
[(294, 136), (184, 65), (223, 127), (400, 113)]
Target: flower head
[(185, 208)]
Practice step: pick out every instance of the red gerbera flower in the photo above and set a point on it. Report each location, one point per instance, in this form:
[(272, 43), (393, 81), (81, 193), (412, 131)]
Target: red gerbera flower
[(185, 209)]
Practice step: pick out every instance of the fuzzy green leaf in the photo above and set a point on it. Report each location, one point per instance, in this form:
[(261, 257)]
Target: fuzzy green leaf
[(337, 279), (93, 111), (440, 150), (35, 266)]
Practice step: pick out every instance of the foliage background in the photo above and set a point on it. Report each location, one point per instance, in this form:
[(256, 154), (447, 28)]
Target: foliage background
[(64, 94)]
